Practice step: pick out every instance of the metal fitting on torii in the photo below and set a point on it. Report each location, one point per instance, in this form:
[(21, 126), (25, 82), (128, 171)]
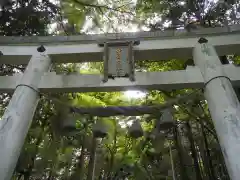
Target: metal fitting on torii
[(119, 59)]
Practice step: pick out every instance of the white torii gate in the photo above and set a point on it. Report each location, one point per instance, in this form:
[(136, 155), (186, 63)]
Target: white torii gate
[(209, 73)]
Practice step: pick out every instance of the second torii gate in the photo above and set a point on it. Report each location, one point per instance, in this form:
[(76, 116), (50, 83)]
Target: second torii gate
[(209, 74)]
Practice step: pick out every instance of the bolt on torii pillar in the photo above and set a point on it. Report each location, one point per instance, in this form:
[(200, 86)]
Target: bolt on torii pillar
[(223, 104), (17, 118)]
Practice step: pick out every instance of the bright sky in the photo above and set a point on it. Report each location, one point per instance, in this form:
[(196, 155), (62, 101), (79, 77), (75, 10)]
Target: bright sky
[(134, 94)]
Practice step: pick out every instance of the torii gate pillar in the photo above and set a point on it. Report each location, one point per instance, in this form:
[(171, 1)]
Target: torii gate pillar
[(223, 104), (19, 113)]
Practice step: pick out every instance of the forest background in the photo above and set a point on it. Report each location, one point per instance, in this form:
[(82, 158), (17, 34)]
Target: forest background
[(52, 152)]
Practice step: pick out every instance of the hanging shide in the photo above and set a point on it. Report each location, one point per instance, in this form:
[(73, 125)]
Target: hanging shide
[(166, 121), (69, 123), (99, 129), (135, 130)]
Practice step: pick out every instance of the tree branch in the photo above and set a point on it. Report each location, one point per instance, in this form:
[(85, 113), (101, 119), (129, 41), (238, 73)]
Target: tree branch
[(192, 115), (102, 6)]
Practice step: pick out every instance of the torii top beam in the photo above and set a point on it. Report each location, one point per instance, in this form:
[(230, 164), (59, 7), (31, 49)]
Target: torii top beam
[(154, 46)]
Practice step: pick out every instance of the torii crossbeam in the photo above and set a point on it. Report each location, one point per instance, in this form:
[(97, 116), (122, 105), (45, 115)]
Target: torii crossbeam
[(154, 46)]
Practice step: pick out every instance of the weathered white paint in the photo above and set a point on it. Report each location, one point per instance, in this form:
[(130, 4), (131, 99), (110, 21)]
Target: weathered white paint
[(223, 105), (189, 78), (144, 80), (9, 83), (18, 115), (50, 82), (154, 49), (112, 36)]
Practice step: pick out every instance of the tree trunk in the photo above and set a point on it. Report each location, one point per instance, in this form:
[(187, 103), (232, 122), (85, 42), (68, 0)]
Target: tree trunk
[(19, 177), (113, 152), (210, 167), (194, 153), (50, 177), (39, 140), (91, 164), (183, 172), (202, 153), (78, 174)]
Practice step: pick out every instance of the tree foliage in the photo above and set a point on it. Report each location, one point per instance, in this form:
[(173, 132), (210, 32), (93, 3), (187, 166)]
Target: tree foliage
[(61, 144)]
